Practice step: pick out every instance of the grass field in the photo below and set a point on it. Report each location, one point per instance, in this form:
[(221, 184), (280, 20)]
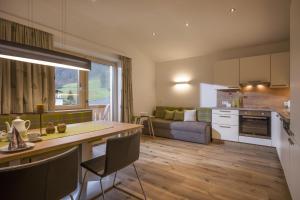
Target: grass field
[(95, 90)]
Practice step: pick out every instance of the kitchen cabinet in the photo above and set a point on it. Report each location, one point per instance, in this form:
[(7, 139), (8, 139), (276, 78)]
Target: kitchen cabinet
[(294, 169), (280, 70), (253, 140), (288, 149), (256, 68), (225, 124), (285, 153), (226, 73), (275, 129)]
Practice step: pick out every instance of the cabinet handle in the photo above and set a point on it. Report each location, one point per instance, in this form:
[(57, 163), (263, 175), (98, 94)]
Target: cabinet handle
[(285, 85), (226, 111), (225, 116), (225, 126), (291, 142)]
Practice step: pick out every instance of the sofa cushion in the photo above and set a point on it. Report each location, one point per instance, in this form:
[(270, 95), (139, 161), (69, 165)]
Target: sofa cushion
[(160, 123), (198, 127), (190, 115), (160, 110), (159, 113), (169, 115), (204, 114), (189, 126), (178, 115)]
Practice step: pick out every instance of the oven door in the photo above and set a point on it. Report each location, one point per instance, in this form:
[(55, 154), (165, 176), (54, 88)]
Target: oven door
[(256, 126)]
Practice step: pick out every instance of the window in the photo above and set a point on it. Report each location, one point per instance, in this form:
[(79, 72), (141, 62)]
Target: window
[(100, 85), (67, 87), (103, 88)]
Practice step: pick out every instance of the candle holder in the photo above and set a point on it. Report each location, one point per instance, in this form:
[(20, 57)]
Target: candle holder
[(40, 109)]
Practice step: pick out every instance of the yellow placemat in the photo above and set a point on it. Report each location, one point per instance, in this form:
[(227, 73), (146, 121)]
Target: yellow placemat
[(74, 129)]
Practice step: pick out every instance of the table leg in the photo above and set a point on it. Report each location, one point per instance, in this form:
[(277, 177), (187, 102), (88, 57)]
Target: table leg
[(86, 151), (151, 125)]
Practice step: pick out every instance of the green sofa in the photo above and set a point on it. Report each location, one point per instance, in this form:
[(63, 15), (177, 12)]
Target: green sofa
[(198, 131)]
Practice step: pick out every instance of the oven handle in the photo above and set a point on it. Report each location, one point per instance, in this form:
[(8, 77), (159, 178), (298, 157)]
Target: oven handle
[(252, 117)]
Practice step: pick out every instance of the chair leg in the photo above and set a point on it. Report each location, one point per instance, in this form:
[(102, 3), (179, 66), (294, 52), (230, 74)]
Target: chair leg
[(102, 189), (137, 175), (115, 178), (82, 185)]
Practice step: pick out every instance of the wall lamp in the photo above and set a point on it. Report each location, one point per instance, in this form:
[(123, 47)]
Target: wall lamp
[(35, 55), (182, 82)]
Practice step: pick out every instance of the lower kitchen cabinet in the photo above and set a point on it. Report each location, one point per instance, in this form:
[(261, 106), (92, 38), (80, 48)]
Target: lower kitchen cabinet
[(288, 150), (225, 132), (275, 129), (294, 175), (284, 153), (225, 124), (254, 140)]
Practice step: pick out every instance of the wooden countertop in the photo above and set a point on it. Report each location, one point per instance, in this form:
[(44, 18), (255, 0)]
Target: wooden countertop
[(70, 141)]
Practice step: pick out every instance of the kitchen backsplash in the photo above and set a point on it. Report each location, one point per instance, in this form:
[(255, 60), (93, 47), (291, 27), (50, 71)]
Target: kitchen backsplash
[(255, 97)]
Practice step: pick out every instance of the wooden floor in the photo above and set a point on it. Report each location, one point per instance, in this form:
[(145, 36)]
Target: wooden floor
[(173, 170)]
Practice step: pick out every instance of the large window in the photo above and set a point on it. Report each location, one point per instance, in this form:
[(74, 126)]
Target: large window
[(104, 88), (67, 87), (100, 84), (96, 89)]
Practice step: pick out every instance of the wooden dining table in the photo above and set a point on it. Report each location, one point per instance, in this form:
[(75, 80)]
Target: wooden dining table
[(83, 140), (85, 136)]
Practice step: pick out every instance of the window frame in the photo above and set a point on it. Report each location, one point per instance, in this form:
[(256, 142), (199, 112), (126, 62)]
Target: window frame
[(81, 94), (83, 85)]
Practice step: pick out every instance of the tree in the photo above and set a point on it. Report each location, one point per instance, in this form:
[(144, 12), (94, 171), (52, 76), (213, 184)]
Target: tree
[(70, 97)]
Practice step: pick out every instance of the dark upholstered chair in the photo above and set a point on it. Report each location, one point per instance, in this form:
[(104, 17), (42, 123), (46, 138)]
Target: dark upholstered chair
[(50, 179), (120, 153)]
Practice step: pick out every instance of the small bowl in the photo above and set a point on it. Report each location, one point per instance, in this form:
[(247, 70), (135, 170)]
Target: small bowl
[(61, 128)]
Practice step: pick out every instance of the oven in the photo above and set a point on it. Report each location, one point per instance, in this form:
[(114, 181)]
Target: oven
[(255, 123)]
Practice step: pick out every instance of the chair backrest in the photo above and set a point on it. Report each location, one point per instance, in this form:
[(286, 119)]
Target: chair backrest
[(105, 114), (51, 178), (121, 152), (97, 112)]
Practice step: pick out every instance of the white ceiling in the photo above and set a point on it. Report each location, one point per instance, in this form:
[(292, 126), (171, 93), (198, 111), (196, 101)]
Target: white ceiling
[(212, 26)]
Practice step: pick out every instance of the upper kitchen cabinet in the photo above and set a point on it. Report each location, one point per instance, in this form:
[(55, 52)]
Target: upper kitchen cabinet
[(280, 70), (226, 72), (255, 68)]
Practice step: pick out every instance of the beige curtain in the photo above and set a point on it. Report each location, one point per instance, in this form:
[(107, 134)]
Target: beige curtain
[(127, 97), (24, 85)]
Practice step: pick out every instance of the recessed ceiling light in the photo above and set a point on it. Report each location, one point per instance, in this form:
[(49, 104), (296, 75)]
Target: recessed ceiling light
[(187, 24), (153, 34), (232, 10)]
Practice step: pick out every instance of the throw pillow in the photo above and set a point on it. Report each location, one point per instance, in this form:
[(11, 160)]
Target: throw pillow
[(160, 113), (204, 114), (178, 115), (169, 115), (189, 115)]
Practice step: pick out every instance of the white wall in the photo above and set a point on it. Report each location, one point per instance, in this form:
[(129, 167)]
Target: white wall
[(198, 70), (87, 37)]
